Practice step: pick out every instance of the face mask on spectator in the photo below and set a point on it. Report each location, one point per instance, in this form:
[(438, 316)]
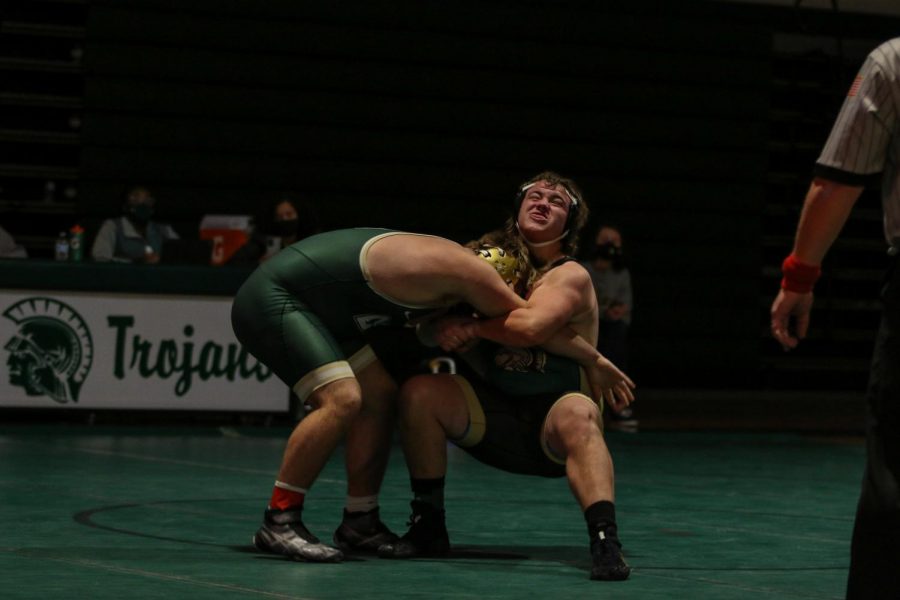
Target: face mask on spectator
[(286, 228), (141, 213), (607, 251)]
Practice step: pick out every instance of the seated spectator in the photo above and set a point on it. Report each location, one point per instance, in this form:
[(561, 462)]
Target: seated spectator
[(134, 237), (612, 284), (293, 220), (9, 248), (287, 221)]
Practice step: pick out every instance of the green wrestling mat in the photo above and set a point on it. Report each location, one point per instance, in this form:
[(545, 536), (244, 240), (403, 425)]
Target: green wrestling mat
[(112, 512)]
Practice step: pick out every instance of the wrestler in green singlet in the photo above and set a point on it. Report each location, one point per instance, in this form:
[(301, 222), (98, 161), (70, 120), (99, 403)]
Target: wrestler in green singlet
[(303, 311)]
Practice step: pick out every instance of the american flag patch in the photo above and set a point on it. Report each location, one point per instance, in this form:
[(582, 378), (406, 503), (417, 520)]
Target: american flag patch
[(854, 89)]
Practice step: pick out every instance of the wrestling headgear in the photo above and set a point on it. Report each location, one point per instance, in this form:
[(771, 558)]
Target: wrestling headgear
[(504, 262)]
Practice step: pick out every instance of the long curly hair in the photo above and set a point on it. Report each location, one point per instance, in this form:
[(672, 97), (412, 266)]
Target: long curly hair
[(510, 238)]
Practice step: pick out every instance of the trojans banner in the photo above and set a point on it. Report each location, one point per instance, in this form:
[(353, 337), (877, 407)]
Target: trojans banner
[(125, 351)]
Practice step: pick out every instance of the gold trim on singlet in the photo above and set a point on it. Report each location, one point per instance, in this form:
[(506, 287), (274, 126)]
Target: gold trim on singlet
[(586, 390), (477, 422), (362, 358), (339, 369), (583, 385), (364, 268)]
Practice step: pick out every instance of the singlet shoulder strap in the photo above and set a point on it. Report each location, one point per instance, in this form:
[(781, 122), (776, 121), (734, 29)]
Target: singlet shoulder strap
[(561, 261)]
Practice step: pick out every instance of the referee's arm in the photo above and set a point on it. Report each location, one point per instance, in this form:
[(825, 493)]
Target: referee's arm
[(825, 210)]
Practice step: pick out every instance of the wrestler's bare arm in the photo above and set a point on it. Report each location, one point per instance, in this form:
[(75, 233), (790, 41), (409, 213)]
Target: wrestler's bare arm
[(563, 297)]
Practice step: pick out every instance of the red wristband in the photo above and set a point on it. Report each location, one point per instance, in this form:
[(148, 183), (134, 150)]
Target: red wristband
[(798, 276)]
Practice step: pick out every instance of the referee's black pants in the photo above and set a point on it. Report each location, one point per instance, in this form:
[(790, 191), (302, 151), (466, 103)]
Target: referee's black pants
[(875, 549)]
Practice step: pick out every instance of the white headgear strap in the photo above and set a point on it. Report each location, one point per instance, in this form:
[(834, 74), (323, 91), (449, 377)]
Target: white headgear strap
[(572, 197), (541, 244)]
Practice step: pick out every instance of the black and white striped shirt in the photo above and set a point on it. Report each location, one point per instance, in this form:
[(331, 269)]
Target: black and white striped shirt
[(863, 148)]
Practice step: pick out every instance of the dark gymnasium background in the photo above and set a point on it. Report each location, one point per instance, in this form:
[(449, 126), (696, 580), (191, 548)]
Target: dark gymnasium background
[(691, 125)]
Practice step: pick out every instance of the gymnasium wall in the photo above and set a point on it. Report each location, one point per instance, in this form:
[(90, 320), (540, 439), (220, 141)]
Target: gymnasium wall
[(425, 116)]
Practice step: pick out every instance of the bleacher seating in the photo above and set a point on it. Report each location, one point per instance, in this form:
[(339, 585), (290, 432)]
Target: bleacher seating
[(693, 126), (41, 102)]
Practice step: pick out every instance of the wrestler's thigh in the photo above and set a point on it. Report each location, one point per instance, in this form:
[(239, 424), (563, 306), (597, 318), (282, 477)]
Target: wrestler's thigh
[(442, 396), (379, 390)]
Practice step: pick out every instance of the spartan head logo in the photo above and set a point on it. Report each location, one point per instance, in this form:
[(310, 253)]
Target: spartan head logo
[(51, 353), (521, 360)]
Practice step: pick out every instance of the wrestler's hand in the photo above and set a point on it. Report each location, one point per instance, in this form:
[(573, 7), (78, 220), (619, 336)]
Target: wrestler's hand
[(455, 334), (786, 305), (426, 327), (610, 384)]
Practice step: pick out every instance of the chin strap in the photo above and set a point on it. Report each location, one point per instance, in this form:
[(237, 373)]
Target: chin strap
[(541, 244)]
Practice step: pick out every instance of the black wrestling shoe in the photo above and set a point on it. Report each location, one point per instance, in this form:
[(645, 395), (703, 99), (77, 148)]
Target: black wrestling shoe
[(427, 535), (283, 533), (624, 420), (363, 532), (608, 564)]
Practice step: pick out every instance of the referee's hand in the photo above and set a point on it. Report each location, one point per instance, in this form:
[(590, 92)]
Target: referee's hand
[(786, 305)]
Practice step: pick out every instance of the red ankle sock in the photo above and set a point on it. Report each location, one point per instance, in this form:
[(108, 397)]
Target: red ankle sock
[(283, 499)]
